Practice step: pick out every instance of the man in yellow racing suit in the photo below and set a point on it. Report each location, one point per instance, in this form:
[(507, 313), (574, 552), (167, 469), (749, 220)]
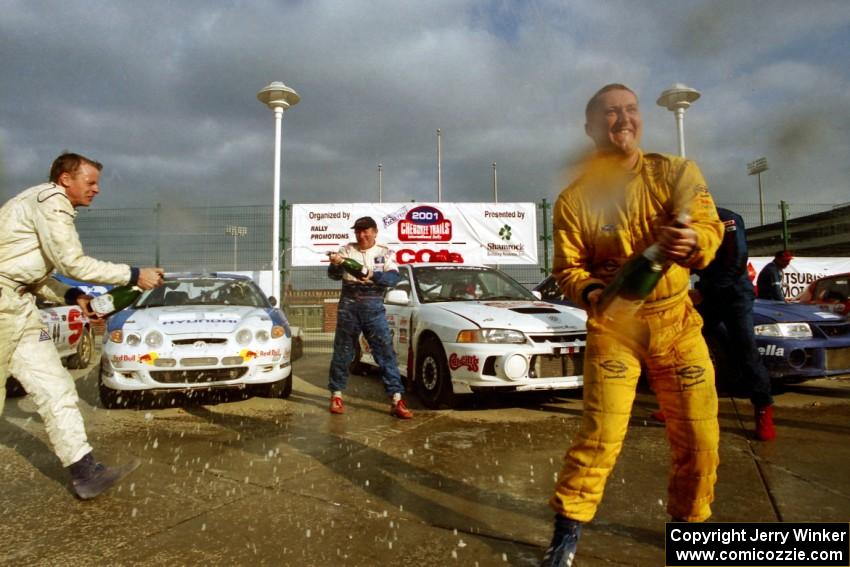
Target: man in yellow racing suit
[(37, 235), (624, 201)]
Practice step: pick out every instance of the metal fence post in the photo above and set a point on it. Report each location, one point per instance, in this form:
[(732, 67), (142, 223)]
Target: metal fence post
[(545, 237), (784, 207), (283, 241)]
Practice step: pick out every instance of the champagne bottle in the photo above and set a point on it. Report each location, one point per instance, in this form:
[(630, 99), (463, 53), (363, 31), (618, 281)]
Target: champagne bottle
[(353, 267), (636, 279), (632, 284), (114, 300)]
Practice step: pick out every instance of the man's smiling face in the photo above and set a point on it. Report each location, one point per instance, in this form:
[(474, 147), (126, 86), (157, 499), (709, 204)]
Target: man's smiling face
[(614, 123)]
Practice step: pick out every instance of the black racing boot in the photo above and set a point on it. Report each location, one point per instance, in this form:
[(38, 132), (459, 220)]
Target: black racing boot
[(90, 478), (562, 550)]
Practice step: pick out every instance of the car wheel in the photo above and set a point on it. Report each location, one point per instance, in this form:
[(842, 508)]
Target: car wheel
[(85, 350), (433, 381), (297, 349), (113, 399), (279, 389)]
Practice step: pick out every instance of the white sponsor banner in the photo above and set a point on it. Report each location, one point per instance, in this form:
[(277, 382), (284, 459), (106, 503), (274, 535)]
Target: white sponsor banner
[(802, 271), (476, 233)]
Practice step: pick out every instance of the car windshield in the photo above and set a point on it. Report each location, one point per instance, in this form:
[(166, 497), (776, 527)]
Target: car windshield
[(833, 289), (466, 283), (203, 291)]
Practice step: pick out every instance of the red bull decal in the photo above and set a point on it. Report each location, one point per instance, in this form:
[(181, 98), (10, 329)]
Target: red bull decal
[(247, 354), (272, 352), (425, 223), (123, 358), (148, 358), (468, 360)]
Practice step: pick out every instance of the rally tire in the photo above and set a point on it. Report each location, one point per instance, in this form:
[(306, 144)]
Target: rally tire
[(279, 389), (114, 399), (85, 351), (433, 380)]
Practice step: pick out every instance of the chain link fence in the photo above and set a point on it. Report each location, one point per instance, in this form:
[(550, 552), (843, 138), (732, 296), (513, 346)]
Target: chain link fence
[(238, 238)]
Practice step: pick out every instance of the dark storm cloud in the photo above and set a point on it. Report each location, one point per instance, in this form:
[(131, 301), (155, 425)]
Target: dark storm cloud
[(164, 93)]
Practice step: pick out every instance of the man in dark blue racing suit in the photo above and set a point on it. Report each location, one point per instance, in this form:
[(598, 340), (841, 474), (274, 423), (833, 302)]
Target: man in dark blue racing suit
[(361, 309), (727, 298)]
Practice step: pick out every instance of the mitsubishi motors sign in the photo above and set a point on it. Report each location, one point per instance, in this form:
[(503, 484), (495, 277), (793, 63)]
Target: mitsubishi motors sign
[(472, 233), (801, 271)]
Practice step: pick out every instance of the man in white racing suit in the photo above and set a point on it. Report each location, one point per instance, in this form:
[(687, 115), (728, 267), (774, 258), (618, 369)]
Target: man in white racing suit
[(37, 236)]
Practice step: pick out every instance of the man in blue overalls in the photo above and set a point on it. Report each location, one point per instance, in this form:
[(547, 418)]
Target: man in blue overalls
[(727, 296), (361, 309)]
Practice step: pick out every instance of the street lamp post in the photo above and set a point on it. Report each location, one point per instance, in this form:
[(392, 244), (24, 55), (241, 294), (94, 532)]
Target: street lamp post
[(756, 167), (677, 99), (235, 232), (277, 97), (439, 167), (380, 183)]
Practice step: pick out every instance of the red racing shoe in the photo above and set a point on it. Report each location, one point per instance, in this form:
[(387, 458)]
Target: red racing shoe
[(337, 406), (399, 410), (765, 430)]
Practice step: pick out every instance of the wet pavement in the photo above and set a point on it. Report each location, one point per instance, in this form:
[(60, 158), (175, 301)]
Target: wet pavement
[(233, 481)]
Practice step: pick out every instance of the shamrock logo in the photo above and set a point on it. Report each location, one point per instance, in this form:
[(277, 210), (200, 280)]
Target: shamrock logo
[(505, 232)]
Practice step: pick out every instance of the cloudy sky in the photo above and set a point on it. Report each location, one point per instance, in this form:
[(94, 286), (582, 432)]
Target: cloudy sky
[(164, 93)]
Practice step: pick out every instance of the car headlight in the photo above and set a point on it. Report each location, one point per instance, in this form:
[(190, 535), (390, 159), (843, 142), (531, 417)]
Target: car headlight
[(500, 336), (262, 335), (116, 336), (278, 331), (133, 339), (788, 330), (244, 336), (154, 339)]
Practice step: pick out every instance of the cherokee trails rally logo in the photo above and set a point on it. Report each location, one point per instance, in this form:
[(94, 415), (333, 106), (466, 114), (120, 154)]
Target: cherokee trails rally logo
[(425, 223)]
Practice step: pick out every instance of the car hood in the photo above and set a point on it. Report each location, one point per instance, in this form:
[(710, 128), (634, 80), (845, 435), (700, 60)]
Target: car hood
[(528, 316), (180, 320), (780, 312)]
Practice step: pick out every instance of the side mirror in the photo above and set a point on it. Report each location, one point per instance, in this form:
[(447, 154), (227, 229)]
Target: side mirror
[(273, 300), (397, 297), (537, 294)]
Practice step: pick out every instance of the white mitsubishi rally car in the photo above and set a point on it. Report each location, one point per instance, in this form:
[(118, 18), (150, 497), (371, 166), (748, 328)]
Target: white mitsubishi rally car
[(462, 329)]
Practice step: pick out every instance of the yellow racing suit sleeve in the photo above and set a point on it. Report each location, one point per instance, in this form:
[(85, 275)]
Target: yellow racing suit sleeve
[(60, 244), (571, 260), (690, 193)]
